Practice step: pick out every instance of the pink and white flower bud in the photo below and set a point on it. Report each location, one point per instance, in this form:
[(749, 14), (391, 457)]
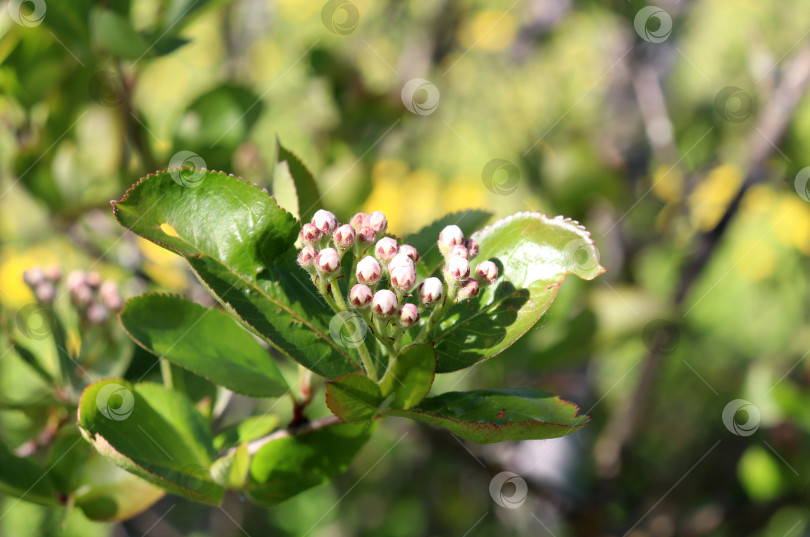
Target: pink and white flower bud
[(384, 303), (410, 251), (408, 315), (450, 236), (310, 234), (486, 272), (327, 261), (366, 235), (386, 249), (97, 313), (75, 279), (81, 295), (325, 221), (33, 277), (469, 289), (378, 222), (93, 279), (457, 269), (459, 250), (344, 237), (360, 296), (109, 295), (431, 291), (53, 273), (400, 260), (358, 220), (45, 292), (403, 278), (306, 257), (472, 247), (369, 271)]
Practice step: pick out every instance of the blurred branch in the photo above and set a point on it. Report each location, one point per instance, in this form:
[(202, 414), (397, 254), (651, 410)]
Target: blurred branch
[(320, 423), (768, 131)]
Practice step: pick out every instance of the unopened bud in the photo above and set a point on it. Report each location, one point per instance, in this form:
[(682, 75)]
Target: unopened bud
[(75, 279), (400, 260), (93, 279), (306, 257), (366, 235), (486, 272), (310, 234), (45, 292), (469, 289), (109, 295), (325, 221), (472, 247), (386, 249), (410, 251), (450, 236), (33, 277), (53, 273), (327, 261), (459, 250), (403, 278), (344, 236), (378, 222), (97, 313), (384, 303), (81, 295), (457, 269), (431, 291), (408, 315), (360, 296), (358, 220), (369, 271)]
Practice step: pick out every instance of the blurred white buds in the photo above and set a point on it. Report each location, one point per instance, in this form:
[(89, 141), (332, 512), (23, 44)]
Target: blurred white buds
[(306, 257), (344, 237), (386, 249), (324, 221), (456, 269), (408, 315), (450, 236), (369, 271), (384, 303), (430, 291), (486, 272), (310, 234), (327, 261), (360, 296), (109, 295)]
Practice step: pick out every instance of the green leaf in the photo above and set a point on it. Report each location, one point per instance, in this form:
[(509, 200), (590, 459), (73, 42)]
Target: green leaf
[(240, 243), (203, 340), (67, 459), (109, 494), (410, 376), (245, 431), (288, 466), (153, 432), (426, 239), (353, 397), (231, 470), (534, 254), (487, 416), (293, 176), (116, 34), (25, 478)]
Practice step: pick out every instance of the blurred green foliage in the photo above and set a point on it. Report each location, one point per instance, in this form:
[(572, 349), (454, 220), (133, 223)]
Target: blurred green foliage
[(637, 139)]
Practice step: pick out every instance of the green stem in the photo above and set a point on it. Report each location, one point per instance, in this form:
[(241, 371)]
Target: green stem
[(438, 311), (322, 284)]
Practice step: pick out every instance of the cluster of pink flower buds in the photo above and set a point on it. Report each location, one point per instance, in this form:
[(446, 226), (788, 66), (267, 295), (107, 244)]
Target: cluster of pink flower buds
[(43, 282), (458, 251), (93, 298)]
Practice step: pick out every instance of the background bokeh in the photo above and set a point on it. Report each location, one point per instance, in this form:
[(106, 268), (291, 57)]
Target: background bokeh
[(677, 134)]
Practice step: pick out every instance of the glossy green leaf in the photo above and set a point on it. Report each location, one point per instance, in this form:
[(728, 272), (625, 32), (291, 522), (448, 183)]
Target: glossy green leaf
[(410, 376), (25, 478), (288, 466), (110, 494), (231, 470), (67, 458), (153, 432), (426, 239), (534, 254), (353, 398), (487, 416), (204, 340), (298, 179), (246, 430), (240, 243)]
